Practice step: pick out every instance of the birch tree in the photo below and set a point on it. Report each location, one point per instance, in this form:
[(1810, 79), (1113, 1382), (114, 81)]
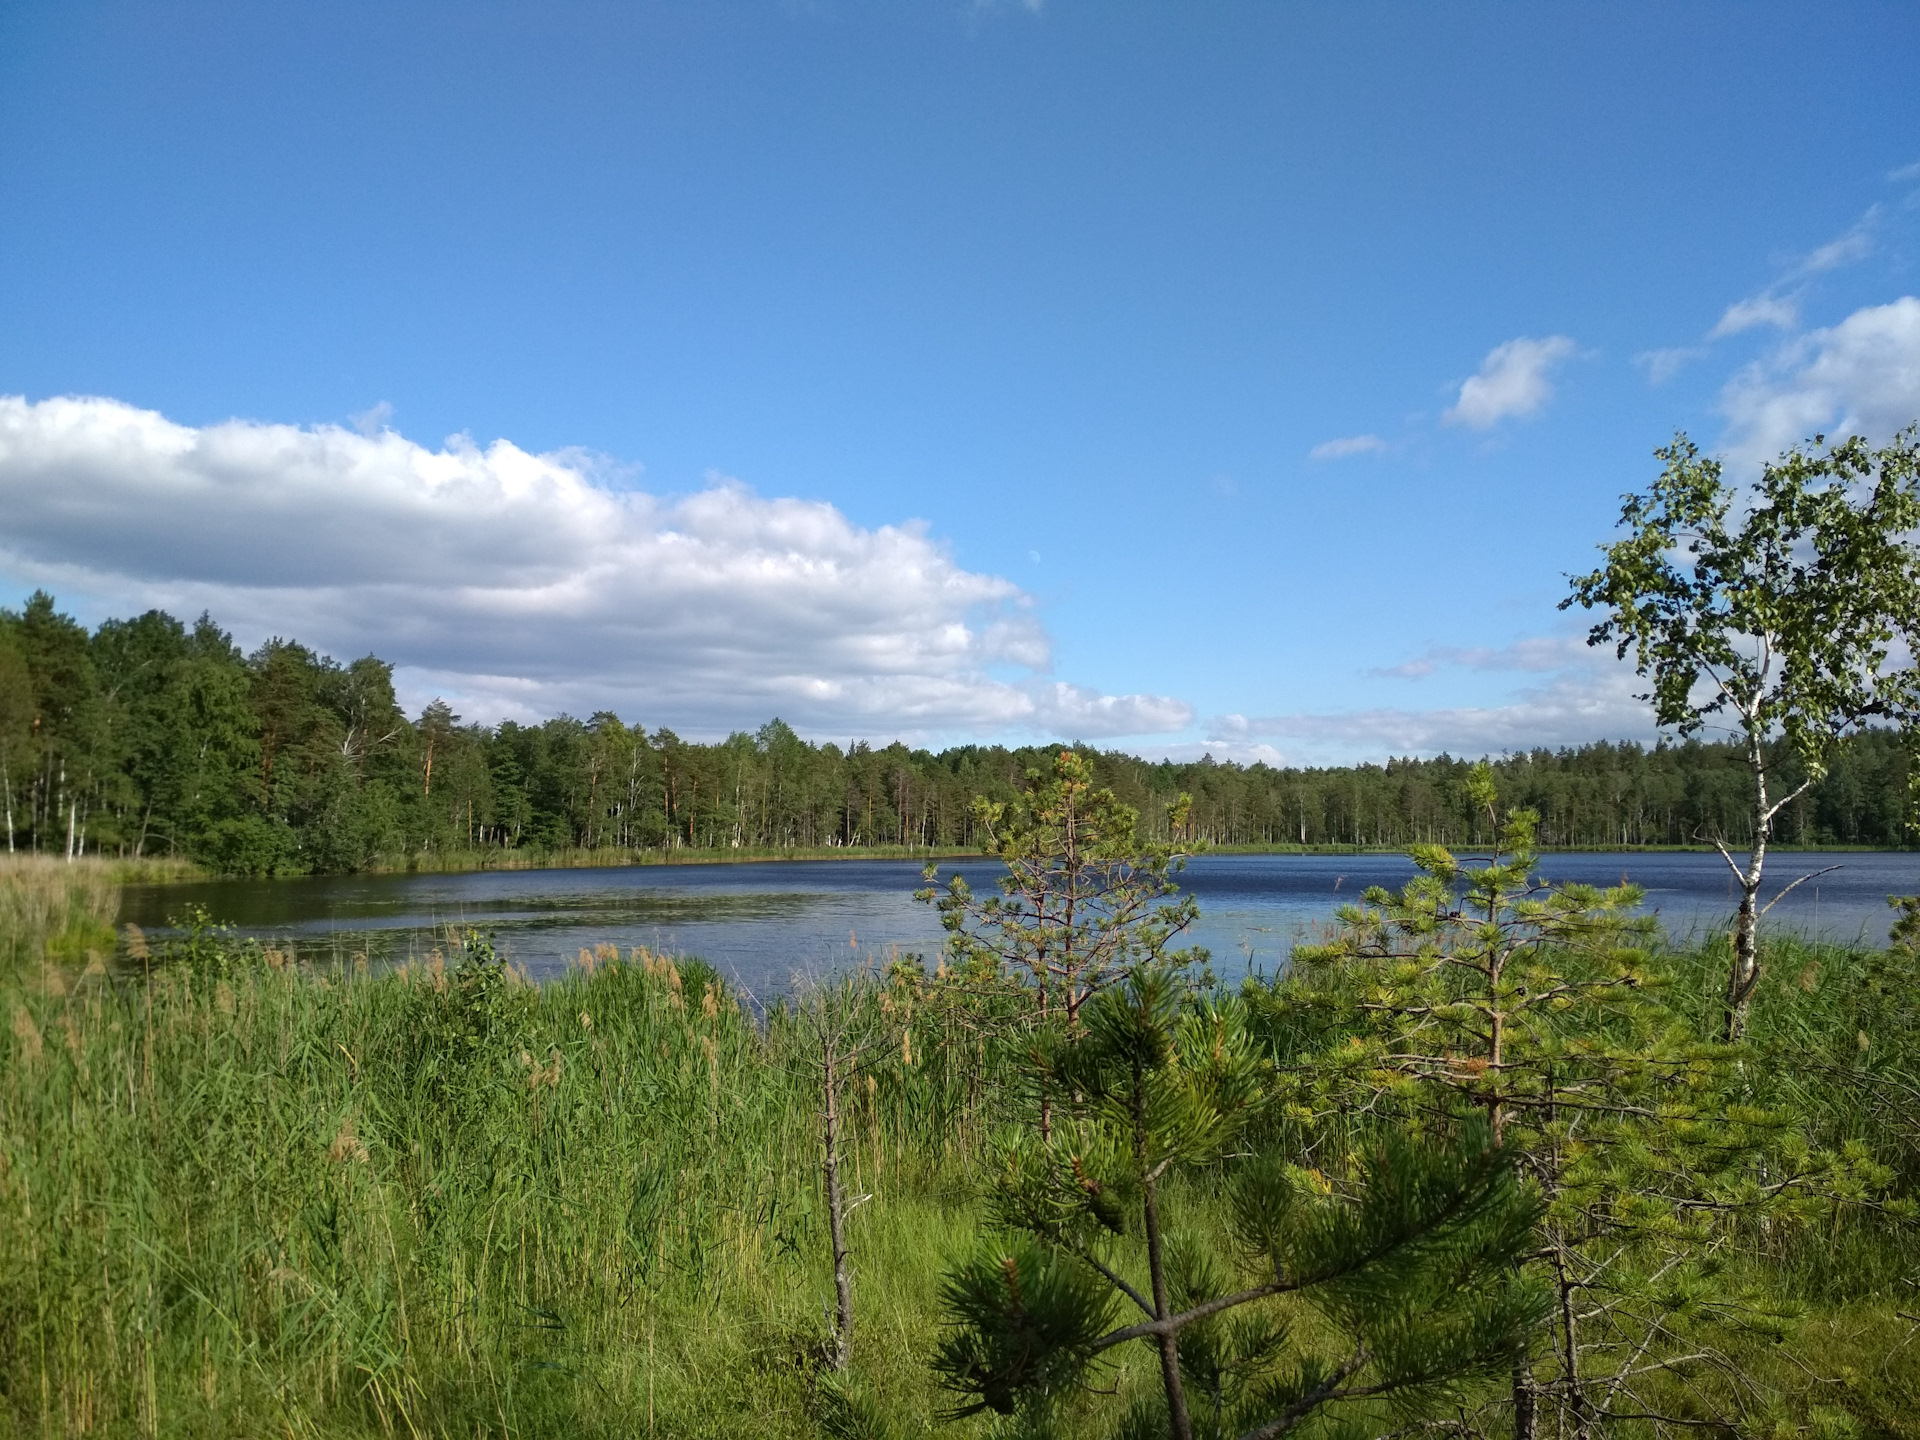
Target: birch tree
[(1786, 616)]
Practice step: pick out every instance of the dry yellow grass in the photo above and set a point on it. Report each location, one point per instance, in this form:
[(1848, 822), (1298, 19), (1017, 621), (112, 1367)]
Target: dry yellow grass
[(52, 907), (47, 903)]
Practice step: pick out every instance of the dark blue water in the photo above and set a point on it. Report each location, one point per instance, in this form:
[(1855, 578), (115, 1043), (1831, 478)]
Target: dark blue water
[(763, 923)]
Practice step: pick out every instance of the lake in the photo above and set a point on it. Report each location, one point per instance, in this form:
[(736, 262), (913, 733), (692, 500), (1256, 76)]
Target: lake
[(760, 923)]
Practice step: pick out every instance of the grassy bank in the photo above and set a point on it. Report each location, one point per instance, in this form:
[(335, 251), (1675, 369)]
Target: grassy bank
[(450, 862), (64, 909), (458, 862), (239, 1197)]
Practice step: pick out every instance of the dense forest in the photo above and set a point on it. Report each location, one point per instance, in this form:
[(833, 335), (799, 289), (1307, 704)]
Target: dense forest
[(152, 737)]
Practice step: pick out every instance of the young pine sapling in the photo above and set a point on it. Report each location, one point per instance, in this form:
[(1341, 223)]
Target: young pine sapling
[(1415, 1270), (1479, 991)]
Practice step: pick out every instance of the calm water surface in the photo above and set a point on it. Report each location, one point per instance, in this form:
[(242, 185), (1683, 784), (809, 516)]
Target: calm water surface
[(761, 923)]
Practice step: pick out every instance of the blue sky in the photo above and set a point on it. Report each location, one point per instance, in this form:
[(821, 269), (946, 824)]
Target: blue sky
[(936, 369)]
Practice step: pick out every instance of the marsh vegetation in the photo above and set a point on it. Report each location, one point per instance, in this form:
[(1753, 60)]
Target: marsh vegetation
[(242, 1194)]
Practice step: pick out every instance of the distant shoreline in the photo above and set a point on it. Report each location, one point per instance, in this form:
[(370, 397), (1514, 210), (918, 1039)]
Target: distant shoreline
[(168, 873)]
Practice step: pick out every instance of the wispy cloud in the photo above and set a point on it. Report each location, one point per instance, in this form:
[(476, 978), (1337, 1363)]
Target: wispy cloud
[(1586, 696), (1662, 365), (523, 584), (989, 7), (1773, 306), (1185, 752), (1346, 446), (1753, 312), (1534, 654), (1417, 668), (1856, 242), (372, 420), (1514, 380)]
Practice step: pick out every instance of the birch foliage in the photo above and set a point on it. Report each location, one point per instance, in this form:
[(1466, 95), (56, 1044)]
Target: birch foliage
[(1785, 615)]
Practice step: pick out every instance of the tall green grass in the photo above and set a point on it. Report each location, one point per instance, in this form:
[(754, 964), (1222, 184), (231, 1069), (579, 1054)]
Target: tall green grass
[(240, 1196), (444, 1202)]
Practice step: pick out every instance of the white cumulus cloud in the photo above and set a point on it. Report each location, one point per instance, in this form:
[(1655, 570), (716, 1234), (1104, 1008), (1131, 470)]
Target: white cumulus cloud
[(1515, 379), (1861, 376), (522, 584)]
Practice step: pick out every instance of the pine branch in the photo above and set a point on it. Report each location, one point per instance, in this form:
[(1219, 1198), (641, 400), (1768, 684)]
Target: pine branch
[(1327, 1389), (1172, 1325), (1117, 1282)]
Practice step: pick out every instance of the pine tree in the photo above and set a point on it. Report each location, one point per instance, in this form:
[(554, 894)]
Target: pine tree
[(1086, 899), (846, 1033), (1411, 1263), (1480, 991)]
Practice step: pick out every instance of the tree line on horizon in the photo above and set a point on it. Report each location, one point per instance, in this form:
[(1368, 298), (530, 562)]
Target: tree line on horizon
[(148, 736)]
